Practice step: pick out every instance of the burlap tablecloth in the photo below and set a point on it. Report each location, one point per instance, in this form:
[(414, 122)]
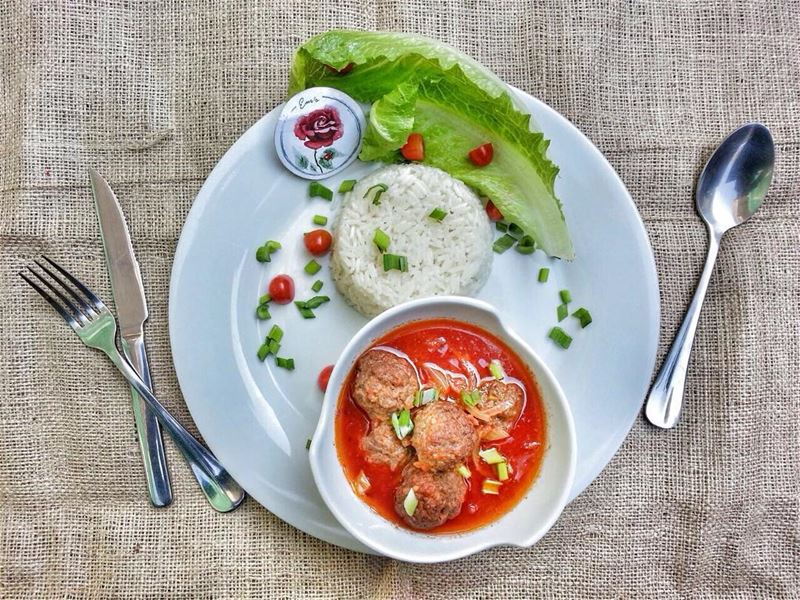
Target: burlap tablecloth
[(152, 93)]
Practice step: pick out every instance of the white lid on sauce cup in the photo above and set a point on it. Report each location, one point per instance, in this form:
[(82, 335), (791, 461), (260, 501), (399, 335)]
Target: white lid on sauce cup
[(319, 132)]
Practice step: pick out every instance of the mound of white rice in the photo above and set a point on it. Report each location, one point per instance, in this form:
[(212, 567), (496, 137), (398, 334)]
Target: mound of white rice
[(453, 256)]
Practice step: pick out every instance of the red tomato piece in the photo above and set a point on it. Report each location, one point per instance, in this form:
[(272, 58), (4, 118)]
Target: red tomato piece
[(482, 155), (318, 242), (493, 212), (281, 289), (414, 148), (324, 377)]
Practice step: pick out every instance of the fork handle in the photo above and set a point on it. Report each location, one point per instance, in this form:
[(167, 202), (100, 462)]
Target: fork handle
[(220, 488)]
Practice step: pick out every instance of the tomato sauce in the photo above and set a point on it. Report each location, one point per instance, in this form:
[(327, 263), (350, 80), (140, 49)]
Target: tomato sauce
[(448, 344)]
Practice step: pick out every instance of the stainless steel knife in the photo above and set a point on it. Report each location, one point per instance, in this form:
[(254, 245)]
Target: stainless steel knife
[(131, 306)]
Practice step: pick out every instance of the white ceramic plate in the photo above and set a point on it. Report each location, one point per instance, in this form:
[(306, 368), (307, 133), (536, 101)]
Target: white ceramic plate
[(256, 418)]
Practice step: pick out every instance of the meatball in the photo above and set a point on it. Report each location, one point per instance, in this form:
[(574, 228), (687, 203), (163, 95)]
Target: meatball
[(381, 446), (439, 496), (384, 383), (496, 392), (443, 436)]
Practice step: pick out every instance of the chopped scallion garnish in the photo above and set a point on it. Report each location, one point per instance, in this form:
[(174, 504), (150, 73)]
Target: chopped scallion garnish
[(560, 337), (276, 333), (491, 456), (381, 240), (313, 267), (317, 286), (561, 312), (464, 471), (496, 369), (316, 301), (491, 486), (347, 185), (308, 443), (274, 347), (262, 312), (500, 226), (378, 189), (410, 502), (503, 243), (263, 253), (502, 471), (395, 261), (566, 297), (425, 396), (515, 231), (320, 220), (265, 299), (470, 398), (402, 423), (437, 214), (317, 190), (285, 363), (263, 352), (583, 316), (544, 273), (525, 245)]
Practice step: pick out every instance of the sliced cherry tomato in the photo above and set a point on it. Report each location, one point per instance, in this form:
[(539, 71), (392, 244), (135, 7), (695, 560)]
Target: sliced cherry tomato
[(414, 148), (281, 289), (324, 377), (344, 70), (318, 242), (493, 212), (482, 155)]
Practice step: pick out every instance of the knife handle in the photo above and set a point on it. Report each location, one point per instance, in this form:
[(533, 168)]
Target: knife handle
[(148, 429)]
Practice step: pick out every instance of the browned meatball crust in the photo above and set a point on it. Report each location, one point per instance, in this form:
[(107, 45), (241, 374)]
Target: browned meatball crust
[(496, 392), (384, 383), (443, 436), (439, 496), (381, 446)]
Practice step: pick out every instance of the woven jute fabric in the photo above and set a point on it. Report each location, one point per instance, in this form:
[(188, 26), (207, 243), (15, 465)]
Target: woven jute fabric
[(151, 93)]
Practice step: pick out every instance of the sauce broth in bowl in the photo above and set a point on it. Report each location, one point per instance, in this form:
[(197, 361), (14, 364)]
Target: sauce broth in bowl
[(440, 426)]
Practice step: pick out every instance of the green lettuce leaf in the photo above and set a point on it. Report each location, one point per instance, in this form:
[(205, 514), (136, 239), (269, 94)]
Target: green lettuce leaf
[(423, 86)]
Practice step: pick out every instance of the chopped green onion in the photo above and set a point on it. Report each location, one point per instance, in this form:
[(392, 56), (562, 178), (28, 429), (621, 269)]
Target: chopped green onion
[(381, 240), (583, 316), (491, 456), (515, 231), (544, 273), (379, 189), (526, 245), (496, 369), (265, 299), (402, 423), (561, 312), (308, 443), (425, 396), (273, 346), (264, 252), (470, 398), (347, 185), (500, 226), (502, 471), (317, 286), (503, 243), (362, 484), (263, 351), (262, 312), (491, 486), (276, 333), (313, 267), (316, 301), (285, 363), (566, 297), (320, 220), (437, 214), (410, 502), (464, 471), (306, 313), (395, 261), (560, 337), (317, 190)]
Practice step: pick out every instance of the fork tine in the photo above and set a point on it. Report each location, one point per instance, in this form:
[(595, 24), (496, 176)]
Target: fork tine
[(85, 306), (76, 312), (59, 309), (98, 304)]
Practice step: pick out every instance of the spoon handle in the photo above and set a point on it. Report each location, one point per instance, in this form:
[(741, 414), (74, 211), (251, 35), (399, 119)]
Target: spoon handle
[(666, 396)]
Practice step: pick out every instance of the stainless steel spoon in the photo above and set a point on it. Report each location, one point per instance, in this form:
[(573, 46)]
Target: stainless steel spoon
[(730, 190)]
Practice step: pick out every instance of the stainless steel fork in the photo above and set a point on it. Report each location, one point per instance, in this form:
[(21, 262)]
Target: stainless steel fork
[(97, 328)]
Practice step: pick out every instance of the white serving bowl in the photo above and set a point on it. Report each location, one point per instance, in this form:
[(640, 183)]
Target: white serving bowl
[(523, 525)]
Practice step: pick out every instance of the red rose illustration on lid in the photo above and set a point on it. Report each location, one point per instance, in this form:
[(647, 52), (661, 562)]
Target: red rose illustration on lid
[(319, 128)]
